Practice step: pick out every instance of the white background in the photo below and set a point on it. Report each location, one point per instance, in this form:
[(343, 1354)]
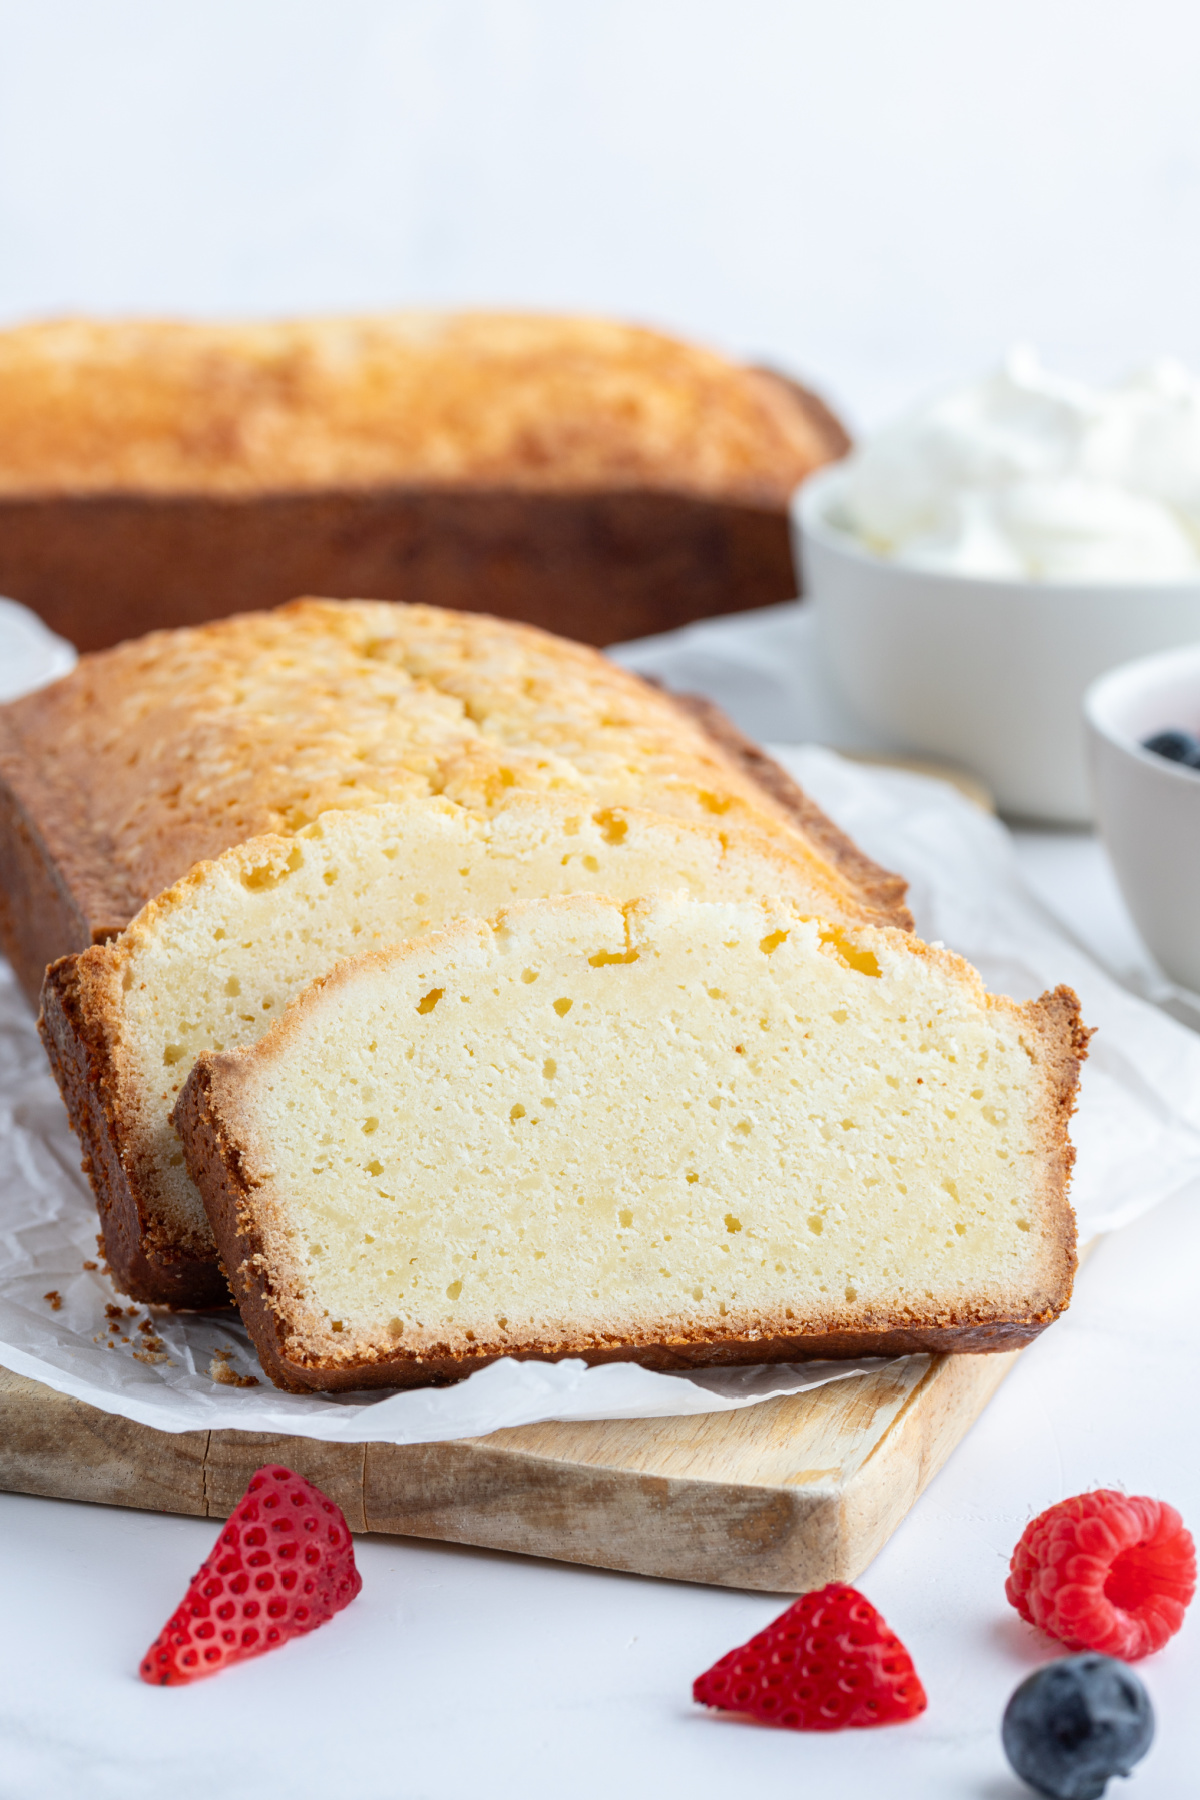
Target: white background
[(879, 193)]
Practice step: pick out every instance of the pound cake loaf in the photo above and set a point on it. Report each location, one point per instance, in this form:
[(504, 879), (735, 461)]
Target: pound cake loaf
[(169, 750), (211, 963), (588, 476), (680, 1131)]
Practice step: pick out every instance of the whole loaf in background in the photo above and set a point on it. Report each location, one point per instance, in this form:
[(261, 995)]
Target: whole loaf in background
[(591, 477)]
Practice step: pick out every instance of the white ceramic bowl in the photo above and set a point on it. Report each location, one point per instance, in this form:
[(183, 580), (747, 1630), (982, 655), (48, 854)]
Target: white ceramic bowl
[(986, 673), (1149, 808)]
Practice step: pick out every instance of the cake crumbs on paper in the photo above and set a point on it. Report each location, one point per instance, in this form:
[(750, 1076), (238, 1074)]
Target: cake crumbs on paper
[(91, 1266), (151, 1349), (221, 1372), (53, 1300)]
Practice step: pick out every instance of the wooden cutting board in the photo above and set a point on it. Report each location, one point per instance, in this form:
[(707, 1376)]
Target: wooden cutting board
[(783, 1497)]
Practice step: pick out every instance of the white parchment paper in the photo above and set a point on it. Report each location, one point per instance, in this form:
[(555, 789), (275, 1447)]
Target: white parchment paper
[(1138, 1133)]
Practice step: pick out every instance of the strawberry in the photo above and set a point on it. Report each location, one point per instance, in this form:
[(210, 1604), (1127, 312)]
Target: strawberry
[(828, 1662), (1105, 1571), (283, 1564)]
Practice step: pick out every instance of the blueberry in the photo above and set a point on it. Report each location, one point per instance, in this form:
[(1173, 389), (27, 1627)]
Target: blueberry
[(1071, 1725), (1177, 746)]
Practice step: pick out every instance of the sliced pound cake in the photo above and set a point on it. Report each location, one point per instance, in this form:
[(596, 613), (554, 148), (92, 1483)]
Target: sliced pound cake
[(211, 964), (169, 750), (680, 1131)]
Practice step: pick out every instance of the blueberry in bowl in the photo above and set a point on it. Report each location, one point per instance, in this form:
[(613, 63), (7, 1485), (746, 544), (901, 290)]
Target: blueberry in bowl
[(1177, 746), (1074, 1724)]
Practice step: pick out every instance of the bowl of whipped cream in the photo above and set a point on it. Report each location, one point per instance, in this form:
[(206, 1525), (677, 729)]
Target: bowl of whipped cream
[(977, 564)]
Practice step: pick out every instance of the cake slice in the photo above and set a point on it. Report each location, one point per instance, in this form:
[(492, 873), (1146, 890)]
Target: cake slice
[(169, 750), (212, 962), (680, 1131)]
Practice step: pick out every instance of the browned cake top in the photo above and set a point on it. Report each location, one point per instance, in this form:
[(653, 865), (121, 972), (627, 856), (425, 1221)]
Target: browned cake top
[(482, 399), (172, 748)]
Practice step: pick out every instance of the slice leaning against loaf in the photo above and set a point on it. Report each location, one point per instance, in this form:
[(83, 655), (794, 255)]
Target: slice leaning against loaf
[(165, 752), (681, 1131), (213, 961)]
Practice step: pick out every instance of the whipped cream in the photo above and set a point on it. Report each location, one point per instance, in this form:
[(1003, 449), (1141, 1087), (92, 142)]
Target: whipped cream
[(1026, 474)]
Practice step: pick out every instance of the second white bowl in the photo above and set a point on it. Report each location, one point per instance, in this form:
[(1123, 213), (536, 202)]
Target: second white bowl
[(1149, 808), (983, 672)]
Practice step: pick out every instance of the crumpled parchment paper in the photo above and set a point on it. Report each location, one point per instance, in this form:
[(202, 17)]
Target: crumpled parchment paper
[(1138, 1134)]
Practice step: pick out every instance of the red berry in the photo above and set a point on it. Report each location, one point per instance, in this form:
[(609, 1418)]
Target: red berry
[(1105, 1571), (829, 1661), (283, 1564)]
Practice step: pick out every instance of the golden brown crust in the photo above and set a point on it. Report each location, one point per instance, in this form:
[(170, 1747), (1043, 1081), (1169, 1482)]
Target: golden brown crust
[(150, 1272), (835, 439), (143, 761), (219, 1172), (466, 399), (1063, 1049), (59, 888), (882, 891), (215, 1157), (982, 1338)]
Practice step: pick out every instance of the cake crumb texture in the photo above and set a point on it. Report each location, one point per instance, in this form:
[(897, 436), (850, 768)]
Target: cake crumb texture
[(213, 962), (683, 1130)]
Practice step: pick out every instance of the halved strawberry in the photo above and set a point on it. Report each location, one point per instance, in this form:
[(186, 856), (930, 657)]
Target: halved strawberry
[(826, 1663), (283, 1564)]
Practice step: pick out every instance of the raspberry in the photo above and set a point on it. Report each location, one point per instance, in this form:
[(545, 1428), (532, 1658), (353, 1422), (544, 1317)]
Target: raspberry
[(1105, 1571), (828, 1662), (283, 1564)]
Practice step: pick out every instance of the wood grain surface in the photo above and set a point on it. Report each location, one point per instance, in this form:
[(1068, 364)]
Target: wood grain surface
[(781, 1497)]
